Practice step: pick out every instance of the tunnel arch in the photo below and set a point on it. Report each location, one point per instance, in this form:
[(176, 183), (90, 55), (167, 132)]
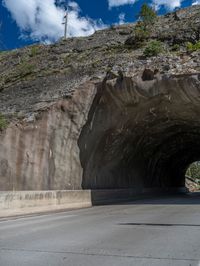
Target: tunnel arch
[(141, 134)]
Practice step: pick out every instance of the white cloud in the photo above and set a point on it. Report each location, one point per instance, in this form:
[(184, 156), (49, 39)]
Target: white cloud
[(169, 4), (114, 3), (121, 18), (196, 2), (42, 19)]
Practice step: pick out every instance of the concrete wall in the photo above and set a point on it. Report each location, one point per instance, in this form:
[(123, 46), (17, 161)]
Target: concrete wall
[(29, 202)]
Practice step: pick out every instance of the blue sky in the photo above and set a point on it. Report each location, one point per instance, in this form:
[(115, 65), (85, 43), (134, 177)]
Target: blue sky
[(25, 22)]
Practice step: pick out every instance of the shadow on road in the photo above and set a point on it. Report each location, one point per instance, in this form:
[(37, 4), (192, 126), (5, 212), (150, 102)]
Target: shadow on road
[(175, 199), (158, 224)]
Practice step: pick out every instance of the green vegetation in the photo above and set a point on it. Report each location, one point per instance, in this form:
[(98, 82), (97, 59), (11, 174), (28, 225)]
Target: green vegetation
[(34, 51), (153, 48), (26, 69), (193, 47), (3, 52), (3, 122), (194, 172), (141, 32), (147, 15), (142, 29), (21, 71), (175, 47)]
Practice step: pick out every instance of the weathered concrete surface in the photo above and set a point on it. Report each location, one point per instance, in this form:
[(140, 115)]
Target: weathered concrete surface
[(153, 232), (29, 202)]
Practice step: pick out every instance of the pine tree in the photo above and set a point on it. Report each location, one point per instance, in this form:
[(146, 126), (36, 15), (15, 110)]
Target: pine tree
[(147, 14)]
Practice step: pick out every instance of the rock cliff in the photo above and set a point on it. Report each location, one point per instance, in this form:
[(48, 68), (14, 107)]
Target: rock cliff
[(96, 113)]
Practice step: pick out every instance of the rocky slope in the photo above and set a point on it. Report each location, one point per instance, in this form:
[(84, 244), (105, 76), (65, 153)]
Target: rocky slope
[(191, 184), (95, 113)]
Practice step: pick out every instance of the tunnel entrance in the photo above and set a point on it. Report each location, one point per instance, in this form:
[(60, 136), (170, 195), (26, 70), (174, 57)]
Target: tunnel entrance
[(141, 134), (192, 177)]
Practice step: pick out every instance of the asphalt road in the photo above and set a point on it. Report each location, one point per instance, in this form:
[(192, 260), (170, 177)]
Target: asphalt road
[(164, 231)]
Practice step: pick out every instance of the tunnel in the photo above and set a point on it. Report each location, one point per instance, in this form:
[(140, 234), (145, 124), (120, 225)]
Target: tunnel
[(141, 133)]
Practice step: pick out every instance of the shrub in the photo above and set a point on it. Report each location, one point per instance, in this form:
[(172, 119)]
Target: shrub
[(140, 35), (112, 27), (194, 171), (34, 51), (141, 32), (26, 69), (176, 47), (3, 122), (147, 14), (193, 47), (3, 52), (153, 48), (142, 29)]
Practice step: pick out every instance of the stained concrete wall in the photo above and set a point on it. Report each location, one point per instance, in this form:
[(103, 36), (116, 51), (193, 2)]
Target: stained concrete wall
[(29, 202)]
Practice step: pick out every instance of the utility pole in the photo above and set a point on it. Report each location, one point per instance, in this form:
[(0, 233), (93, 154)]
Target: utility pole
[(65, 23)]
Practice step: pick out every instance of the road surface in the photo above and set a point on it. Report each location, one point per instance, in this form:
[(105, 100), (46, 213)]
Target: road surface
[(164, 231)]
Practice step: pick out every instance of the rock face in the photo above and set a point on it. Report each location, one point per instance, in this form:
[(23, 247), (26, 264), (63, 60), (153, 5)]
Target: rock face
[(95, 113), (44, 155), (139, 133)]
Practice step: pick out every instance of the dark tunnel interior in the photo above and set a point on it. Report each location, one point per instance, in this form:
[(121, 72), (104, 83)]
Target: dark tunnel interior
[(141, 134)]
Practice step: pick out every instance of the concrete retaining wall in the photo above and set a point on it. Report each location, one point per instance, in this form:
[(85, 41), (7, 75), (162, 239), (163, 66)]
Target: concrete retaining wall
[(28, 202)]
